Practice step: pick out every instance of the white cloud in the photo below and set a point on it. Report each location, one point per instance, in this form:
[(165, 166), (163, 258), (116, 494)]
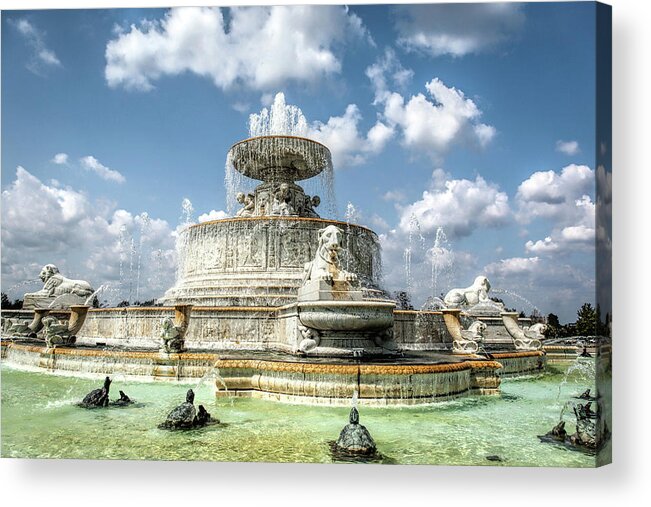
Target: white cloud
[(555, 195), (341, 134), (42, 57), (257, 47), (394, 195), (546, 282), (459, 206), (90, 163), (512, 266), (428, 124), (541, 246), (385, 71), (60, 159), (85, 239), (578, 233), (457, 29), (212, 215), (568, 147), (348, 146), (562, 199)]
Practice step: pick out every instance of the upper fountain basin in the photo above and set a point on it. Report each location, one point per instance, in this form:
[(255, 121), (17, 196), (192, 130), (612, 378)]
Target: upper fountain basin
[(280, 158)]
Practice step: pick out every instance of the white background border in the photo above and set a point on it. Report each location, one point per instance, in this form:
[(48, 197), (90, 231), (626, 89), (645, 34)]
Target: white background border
[(99, 483)]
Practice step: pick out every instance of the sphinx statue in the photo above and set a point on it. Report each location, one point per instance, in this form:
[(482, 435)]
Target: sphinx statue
[(58, 291)]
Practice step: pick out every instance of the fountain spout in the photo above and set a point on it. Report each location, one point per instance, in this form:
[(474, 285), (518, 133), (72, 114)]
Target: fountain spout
[(77, 318), (464, 341), (523, 339)]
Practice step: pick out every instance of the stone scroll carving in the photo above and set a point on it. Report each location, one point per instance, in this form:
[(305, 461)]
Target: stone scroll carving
[(526, 339), (464, 341)]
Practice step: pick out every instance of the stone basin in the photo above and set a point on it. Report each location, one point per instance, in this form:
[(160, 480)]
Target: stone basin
[(346, 315), (280, 158)]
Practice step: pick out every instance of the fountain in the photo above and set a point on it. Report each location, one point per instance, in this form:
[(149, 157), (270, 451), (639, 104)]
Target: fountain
[(285, 304)]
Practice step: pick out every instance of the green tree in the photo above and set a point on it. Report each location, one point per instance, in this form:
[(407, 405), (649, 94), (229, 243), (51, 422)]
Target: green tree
[(554, 328), (586, 321)]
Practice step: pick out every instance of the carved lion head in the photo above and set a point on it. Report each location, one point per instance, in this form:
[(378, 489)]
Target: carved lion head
[(48, 271), (481, 282), (330, 238)]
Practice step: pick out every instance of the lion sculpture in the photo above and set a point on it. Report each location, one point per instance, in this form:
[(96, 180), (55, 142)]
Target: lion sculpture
[(326, 264), (470, 296), (58, 285)]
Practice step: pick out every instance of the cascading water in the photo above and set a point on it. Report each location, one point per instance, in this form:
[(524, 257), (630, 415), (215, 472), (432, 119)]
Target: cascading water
[(441, 259), (145, 223), (279, 137), (517, 296)]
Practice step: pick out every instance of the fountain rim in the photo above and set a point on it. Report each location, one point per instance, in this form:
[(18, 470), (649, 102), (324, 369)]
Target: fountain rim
[(283, 136), (286, 218)]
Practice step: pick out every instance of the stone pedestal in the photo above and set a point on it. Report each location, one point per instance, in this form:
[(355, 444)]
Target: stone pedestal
[(63, 302), (328, 290)]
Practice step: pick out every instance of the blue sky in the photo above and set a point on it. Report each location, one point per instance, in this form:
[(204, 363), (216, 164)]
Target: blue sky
[(476, 119)]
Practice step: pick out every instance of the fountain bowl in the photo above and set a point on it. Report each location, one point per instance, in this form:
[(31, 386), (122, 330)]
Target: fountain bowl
[(346, 315), (280, 158)]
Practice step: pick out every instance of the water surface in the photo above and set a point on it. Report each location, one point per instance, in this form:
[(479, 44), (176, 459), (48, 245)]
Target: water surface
[(40, 419)]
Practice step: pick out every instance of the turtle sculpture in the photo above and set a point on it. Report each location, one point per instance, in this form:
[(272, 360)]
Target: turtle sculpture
[(123, 401), (204, 418), (97, 397), (355, 439), (186, 416)]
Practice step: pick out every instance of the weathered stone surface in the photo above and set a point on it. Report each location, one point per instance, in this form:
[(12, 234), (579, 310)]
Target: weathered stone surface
[(58, 292), (260, 261)]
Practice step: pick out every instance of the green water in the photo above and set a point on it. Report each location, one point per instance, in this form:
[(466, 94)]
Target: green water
[(40, 420)]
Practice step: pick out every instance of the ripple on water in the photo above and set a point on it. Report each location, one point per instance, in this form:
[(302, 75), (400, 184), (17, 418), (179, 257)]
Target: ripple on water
[(40, 419)]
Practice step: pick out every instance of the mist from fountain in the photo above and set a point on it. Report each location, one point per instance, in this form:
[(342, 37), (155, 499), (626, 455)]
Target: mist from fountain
[(517, 296)]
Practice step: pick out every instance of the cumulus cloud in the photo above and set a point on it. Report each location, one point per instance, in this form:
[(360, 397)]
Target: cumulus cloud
[(541, 246), (543, 282), (90, 163), (512, 266), (255, 47), (458, 205), (562, 199), (60, 159), (430, 124), (457, 29), (568, 147), (554, 195), (212, 215), (84, 239), (388, 73), (42, 57), (342, 135)]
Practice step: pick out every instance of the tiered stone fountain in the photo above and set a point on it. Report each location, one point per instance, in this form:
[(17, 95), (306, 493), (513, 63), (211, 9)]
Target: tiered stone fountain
[(282, 303)]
